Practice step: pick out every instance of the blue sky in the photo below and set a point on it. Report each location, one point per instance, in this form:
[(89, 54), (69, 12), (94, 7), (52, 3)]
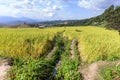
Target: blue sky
[(54, 9)]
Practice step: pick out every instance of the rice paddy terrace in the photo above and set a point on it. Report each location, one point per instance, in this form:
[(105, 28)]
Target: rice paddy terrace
[(62, 53)]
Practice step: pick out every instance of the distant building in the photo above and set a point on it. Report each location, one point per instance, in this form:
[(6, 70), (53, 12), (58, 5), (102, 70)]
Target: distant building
[(41, 26), (65, 22)]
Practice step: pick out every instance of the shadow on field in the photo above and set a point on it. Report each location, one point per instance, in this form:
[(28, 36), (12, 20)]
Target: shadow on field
[(78, 30)]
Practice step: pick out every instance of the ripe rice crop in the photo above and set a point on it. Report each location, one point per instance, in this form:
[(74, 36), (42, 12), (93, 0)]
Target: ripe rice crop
[(20, 43), (95, 43)]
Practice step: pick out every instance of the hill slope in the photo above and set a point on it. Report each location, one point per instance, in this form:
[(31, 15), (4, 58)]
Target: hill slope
[(7, 20)]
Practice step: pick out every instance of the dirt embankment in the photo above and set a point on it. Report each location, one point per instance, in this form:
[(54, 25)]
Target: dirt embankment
[(91, 71), (73, 49), (51, 53), (4, 68)]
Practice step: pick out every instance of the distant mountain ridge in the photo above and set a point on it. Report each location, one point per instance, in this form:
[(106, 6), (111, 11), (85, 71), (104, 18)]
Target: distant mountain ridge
[(7, 20), (110, 19)]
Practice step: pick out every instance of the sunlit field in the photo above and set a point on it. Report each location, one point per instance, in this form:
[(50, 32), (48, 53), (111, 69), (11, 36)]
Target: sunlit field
[(96, 43), (28, 47), (21, 43)]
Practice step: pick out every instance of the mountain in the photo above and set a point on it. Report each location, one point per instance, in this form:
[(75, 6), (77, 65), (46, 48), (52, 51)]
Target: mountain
[(7, 20), (93, 21)]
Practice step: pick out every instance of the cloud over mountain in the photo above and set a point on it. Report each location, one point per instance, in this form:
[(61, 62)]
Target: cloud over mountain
[(46, 8), (54, 9), (96, 4)]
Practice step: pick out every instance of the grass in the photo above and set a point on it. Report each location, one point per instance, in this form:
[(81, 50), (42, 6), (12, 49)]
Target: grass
[(22, 43), (28, 46), (36, 69), (110, 73), (96, 43), (68, 69)]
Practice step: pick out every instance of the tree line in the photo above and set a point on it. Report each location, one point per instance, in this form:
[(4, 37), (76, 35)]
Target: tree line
[(112, 17)]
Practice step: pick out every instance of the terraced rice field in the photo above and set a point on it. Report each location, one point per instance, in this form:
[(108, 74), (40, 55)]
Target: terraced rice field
[(61, 53)]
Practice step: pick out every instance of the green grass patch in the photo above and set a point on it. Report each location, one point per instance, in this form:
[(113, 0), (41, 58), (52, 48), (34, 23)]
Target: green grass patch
[(68, 69), (36, 69), (110, 73)]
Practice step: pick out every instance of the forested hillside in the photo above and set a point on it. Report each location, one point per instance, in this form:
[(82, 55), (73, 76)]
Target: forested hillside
[(110, 19)]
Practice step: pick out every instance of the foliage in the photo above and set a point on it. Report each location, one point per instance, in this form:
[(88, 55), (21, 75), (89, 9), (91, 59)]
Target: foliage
[(112, 17), (110, 73), (95, 43), (29, 46), (68, 69), (36, 69), (22, 43)]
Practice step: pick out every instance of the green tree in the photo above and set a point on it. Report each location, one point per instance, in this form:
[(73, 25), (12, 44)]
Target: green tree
[(109, 16), (117, 18)]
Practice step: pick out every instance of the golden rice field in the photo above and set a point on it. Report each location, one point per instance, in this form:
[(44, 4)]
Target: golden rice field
[(28, 42), (28, 48), (95, 43)]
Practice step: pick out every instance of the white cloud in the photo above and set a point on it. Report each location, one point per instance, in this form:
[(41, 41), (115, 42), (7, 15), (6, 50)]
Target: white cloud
[(96, 4), (30, 8), (55, 7), (50, 11), (5, 11), (23, 4)]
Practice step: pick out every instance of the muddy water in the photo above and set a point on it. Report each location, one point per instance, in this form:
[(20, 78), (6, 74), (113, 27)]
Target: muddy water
[(55, 69)]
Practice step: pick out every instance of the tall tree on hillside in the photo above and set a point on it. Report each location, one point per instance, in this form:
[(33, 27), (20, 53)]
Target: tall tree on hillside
[(117, 18), (109, 16)]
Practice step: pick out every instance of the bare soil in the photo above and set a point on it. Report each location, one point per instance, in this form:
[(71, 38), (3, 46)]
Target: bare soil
[(51, 53), (4, 68), (91, 71), (73, 49)]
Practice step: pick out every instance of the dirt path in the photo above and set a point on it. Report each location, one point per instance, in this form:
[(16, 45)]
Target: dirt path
[(73, 49), (4, 67), (91, 71), (51, 53)]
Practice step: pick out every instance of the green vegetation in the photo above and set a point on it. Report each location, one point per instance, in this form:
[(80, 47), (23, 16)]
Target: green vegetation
[(68, 69), (110, 73), (96, 43), (110, 19), (37, 69), (22, 43), (28, 49)]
